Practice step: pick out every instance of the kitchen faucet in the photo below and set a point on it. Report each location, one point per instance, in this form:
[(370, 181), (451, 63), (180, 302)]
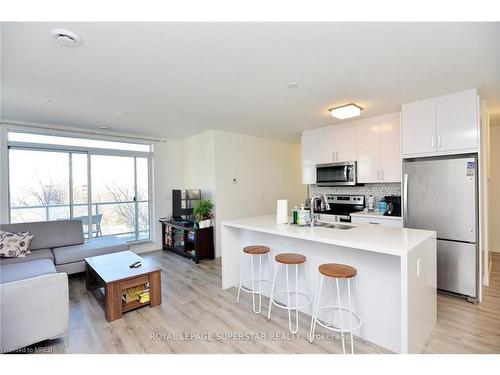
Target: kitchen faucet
[(323, 206)]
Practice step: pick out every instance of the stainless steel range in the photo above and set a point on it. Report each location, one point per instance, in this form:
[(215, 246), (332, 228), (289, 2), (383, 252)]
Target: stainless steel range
[(341, 206)]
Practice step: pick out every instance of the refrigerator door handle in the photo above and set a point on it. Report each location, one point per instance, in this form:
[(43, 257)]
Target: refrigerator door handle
[(405, 199)]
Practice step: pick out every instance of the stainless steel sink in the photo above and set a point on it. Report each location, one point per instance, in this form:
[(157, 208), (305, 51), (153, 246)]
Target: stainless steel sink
[(328, 225), (333, 225)]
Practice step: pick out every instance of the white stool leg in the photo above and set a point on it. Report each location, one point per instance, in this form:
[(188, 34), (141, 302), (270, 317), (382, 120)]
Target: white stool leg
[(340, 316), (350, 315), (241, 277), (260, 283), (288, 303), (358, 308), (308, 286), (297, 295), (272, 292), (253, 288), (315, 308)]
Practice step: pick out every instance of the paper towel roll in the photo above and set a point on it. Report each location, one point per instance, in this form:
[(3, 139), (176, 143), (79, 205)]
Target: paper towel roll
[(282, 211)]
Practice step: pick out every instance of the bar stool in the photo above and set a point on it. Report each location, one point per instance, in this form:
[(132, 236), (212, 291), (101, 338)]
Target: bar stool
[(290, 259), (337, 272), (254, 251)]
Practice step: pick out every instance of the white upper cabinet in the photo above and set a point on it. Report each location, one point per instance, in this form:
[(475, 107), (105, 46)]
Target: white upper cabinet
[(419, 127), (336, 143), (309, 151), (346, 142), (457, 121), (368, 132), (441, 125), (379, 151), (326, 145), (374, 142)]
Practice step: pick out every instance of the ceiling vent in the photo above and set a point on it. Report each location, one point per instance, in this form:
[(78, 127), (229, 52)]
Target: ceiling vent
[(65, 37)]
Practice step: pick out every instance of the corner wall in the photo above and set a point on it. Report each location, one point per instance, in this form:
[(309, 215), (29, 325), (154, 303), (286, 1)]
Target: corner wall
[(265, 170), (494, 189)]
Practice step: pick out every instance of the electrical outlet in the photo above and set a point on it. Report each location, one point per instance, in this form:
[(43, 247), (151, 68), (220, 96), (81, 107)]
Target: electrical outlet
[(234, 180), (419, 267)]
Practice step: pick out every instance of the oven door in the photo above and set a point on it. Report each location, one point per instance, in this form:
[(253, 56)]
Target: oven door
[(336, 174)]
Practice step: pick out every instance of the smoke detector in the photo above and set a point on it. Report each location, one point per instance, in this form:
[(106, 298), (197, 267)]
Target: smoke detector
[(65, 37)]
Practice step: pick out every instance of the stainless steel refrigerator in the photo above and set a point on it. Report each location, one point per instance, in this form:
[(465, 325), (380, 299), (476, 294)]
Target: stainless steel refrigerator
[(441, 194)]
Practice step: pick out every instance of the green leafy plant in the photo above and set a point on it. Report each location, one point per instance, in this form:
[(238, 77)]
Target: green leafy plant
[(203, 209)]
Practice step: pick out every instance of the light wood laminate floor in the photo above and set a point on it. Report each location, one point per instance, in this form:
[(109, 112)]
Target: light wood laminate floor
[(197, 316)]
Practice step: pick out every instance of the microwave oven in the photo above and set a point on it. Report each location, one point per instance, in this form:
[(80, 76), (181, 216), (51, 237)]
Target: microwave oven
[(336, 174)]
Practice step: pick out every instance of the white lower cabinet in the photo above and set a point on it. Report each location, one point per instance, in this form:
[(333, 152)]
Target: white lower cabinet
[(389, 222)]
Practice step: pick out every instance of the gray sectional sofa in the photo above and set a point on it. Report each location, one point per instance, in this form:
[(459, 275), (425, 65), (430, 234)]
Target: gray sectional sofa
[(34, 289)]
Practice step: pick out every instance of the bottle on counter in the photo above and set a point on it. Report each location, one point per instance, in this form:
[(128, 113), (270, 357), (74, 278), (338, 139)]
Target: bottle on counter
[(371, 203), (303, 215), (295, 215), (382, 206)]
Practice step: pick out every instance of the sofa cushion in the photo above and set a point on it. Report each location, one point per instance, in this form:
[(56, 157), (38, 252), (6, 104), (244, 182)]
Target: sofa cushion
[(15, 244), (49, 234), (25, 270), (97, 246), (34, 255)]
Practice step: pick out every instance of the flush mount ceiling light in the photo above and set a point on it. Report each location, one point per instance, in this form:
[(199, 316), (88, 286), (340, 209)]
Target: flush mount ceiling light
[(65, 37), (346, 111), (292, 85)]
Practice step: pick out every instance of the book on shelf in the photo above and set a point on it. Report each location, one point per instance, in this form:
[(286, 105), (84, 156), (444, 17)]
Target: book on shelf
[(132, 294)]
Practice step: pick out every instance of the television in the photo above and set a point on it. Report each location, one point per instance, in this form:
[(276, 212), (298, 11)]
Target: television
[(183, 202)]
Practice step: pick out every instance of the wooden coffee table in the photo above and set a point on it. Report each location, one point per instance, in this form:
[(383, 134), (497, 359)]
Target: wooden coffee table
[(108, 276)]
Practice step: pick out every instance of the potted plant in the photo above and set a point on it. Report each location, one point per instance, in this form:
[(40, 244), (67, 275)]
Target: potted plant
[(203, 212)]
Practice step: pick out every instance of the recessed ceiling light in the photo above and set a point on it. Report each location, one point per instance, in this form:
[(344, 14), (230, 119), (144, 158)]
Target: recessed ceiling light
[(292, 85), (50, 101), (104, 128), (346, 111), (65, 37)]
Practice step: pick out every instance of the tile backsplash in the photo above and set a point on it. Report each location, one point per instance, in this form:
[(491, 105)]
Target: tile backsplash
[(377, 190)]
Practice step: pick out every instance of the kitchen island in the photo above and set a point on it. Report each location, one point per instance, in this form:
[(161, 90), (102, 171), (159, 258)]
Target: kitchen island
[(396, 280)]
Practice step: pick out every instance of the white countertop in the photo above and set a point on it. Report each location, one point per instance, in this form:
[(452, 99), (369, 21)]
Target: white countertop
[(375, 238), (375, 215)]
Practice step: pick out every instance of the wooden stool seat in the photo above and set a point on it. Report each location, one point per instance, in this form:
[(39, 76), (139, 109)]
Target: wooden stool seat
[(256, 249), (339, 271), (290, 258)]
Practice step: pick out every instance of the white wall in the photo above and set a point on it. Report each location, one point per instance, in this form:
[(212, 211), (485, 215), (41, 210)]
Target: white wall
[(198, 171), (265, 170), (494, 189)]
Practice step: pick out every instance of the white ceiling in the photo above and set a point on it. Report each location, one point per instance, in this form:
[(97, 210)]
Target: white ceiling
[(173, 80)]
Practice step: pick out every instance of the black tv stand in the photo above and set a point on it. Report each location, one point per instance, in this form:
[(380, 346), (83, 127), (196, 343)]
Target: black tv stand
[(190, 242)]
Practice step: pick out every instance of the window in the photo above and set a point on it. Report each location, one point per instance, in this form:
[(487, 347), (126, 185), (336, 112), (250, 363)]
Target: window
[(108, 192), (76, 142)]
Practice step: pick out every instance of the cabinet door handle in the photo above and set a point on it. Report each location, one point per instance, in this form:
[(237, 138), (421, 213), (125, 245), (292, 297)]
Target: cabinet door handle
[(433, 142), (373, 222), (439, 141), (378, 175), (382, 174), (337, 156), (333, 156)]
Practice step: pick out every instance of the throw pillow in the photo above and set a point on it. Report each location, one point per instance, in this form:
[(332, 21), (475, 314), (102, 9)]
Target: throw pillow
[(15, 244)]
